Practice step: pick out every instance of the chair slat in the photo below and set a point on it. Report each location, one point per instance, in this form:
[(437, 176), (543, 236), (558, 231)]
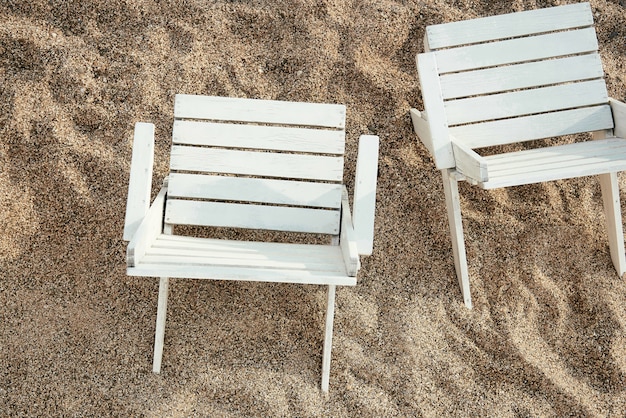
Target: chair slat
[(562, 162), (278, 261), (238, 249), (517, 50), (339, 277), (534, 127), (520, 76), (557, 157), (259, 137), (509, 25), (259, 111), (236, 215), (285, 192), (296, 166), (526, 102)]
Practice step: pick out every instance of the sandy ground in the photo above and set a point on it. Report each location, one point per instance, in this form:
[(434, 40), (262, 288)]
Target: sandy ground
[(547, 335)]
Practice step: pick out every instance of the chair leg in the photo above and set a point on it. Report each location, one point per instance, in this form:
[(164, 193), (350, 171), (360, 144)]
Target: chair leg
[(160, 324), (328, 338), (453, 205), (613, 214)]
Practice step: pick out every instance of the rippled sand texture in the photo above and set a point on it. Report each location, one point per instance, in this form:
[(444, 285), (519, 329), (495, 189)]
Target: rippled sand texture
[(547, 336)]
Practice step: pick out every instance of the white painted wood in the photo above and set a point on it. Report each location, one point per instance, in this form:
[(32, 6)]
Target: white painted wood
[(526, 102), (469, 163), (232, 157), (521, 88), (279, 218), (328, 337), (527, 128), (240, 249), (619, 117), (521, 76), (296, 166), (453, 206), (339, 278), (280, 138), (140, 182), (516, 50), (365, 193), (421, 128), (438, 143), (509, 25), (261, 111), (348, 238), (150, 227), (246, 189), (159, 334), (609, 185), (554, 163)]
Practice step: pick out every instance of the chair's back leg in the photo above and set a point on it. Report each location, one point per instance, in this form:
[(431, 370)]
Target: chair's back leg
[(328, 337), (453, 205), (159, 334), (613, 214)]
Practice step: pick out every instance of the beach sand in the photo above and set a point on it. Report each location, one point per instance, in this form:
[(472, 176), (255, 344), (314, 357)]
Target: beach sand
[(546, 336)]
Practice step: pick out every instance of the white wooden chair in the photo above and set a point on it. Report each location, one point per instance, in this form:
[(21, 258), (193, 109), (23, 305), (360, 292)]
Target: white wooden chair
[(512, 78), (255, 164)]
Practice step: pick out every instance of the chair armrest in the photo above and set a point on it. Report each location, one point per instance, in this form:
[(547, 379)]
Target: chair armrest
[(421, 128), (151, 226), (347, 238), (438, 139), (365, 193), (140, 182), (619, 117), (469, 163)]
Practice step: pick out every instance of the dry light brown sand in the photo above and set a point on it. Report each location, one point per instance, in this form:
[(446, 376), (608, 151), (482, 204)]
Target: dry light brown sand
[(547, 335)]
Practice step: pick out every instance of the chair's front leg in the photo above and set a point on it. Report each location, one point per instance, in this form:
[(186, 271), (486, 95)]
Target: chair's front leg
[(613, 214), (159, 334), (328, 338), (453, 206)]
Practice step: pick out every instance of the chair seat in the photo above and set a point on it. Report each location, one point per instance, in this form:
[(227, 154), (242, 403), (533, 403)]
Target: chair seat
[(558, 162), (201, 258)]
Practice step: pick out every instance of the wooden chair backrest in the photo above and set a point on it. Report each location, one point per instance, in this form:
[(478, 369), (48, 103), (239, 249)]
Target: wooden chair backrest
[(258, 164), (516, 77)]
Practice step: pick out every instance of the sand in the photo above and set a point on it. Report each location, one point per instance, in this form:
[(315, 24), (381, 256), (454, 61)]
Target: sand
[(546, 337)]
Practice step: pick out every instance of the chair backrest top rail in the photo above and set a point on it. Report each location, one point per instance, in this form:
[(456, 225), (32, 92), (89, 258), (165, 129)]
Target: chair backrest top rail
[(508, 25)]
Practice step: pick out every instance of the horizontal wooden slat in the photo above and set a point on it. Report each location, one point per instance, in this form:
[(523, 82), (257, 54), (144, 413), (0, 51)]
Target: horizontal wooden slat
[(528, 128), (516, 50), (259, 111), (559, 162), (509, 25), (321, 141), (243, 274), (236, 215), (235, 248), (296, 193), (520, 76), (311, 167), (526, 102)]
